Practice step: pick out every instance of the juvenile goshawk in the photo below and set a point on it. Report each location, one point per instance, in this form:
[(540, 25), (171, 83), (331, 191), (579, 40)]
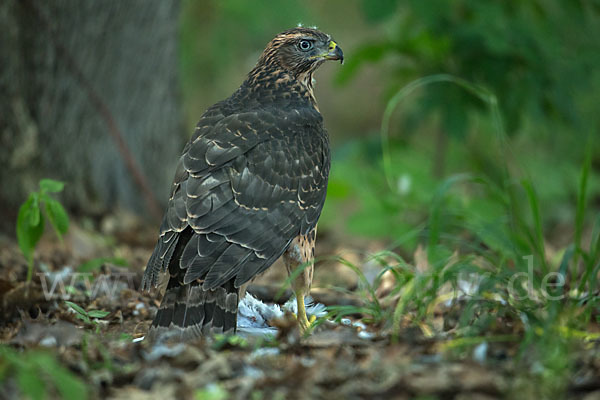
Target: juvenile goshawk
[(249, 188)]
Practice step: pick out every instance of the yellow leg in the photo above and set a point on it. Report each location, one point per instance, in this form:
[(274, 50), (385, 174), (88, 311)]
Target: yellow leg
[(300, 251), (303, 320)]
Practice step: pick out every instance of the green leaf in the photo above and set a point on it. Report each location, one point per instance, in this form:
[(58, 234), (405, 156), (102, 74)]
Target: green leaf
[(23, 225), (581, 195), (34, 210), (77, 308), (97, 313), (537, 236), (595, 241), (51, 186), (57, 216), (31, 384), (28, 234), (69, 385)]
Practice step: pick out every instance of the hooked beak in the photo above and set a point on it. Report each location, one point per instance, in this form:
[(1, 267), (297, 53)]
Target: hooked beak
[(335, 52)]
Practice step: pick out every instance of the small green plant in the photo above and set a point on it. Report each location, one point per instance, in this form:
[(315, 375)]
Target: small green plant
[(31, 220), (212, 391), (87, 316), (223, 341), (39, 375), (480, 231)]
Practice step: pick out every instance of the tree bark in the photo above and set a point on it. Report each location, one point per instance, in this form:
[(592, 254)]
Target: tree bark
[(89, 94)]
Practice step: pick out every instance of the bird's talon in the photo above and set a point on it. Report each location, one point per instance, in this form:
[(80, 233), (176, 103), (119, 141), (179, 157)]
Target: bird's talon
[(303, 321), (304, 325)]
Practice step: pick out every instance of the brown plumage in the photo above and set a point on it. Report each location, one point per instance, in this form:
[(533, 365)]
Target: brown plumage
[(249, 187)]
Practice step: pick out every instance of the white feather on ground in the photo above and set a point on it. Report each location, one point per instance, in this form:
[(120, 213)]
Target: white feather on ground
[(254, 315)]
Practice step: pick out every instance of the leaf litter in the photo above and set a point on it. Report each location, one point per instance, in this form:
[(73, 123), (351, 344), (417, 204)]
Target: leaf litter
[(91, 330)]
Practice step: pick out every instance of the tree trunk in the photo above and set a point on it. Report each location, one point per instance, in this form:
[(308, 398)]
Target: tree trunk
[(88, 95)]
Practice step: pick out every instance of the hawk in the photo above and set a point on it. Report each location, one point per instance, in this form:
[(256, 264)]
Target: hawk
[(249, 188)]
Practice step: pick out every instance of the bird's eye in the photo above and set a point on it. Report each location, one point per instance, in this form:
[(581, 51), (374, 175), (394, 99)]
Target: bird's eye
[(305, 45)]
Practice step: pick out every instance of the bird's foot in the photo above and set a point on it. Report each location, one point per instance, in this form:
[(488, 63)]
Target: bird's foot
[(304, 322)]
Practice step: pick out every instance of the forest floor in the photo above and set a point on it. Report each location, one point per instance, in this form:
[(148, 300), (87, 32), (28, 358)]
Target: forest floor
[(92, 346)]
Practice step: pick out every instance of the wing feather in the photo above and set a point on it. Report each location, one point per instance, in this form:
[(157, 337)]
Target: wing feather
[(247, 184)]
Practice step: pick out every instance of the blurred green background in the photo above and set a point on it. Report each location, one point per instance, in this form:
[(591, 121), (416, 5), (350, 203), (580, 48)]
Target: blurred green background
[(539, 58)]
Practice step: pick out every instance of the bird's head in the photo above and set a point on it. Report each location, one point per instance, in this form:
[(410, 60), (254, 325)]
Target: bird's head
[(300, 51)]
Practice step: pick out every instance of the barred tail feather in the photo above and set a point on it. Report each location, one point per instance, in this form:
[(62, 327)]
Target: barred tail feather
[(188, 312)]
